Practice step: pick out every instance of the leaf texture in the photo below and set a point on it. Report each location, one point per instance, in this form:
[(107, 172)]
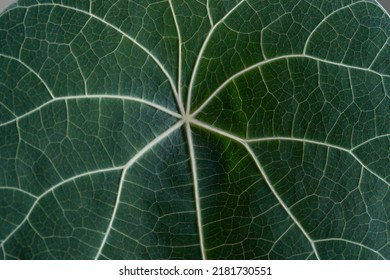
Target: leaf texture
[(179, 129)]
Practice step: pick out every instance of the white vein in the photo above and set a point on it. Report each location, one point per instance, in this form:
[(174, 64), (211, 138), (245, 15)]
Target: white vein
[(262, 33), (32, 71), (200, 55), (187, 120), (370, 140), (42, 154), (280, 238), (123, 168), (279, 199), (324, 20), (385, 11), (216, 130), (379, 53), (51, 190), (8, 109), (261, 63), (135, 158), (77, 60), (320, 144), (18, 190), (365, 202), (351, 242), (196, 188), (179, 68), (96, 96), (149, 53), (265, 139), (246, 142), (209, 13)]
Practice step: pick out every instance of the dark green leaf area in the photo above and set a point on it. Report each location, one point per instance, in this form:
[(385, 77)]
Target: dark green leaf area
[(341, 250), (75, 136), (302, 98), (68, 221), (82, 5), (181, 129), (12, 32), (332, 195), (113, 64), (353, 35), (9, 140), (242, 218), (150, 22), (21, 92), (14, 207), (50, 31), (220, 8), (156, 216), (289, 33), (375, 155)]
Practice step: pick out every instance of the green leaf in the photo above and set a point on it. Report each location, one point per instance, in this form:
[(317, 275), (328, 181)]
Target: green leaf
[(194, 129)]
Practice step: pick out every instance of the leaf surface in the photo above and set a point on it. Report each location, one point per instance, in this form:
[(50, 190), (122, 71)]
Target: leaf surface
[(194, 130)]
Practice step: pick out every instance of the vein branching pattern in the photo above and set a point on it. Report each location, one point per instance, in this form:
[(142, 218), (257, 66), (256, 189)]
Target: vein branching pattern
[(179, 129)]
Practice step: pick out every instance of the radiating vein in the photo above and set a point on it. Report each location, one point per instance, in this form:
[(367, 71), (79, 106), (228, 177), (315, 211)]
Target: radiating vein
[(123, 167), (320, 144), (149, 53), (96, 96), (216, 130), (200, 55), (196, 188), (279, 199), (261, 63), (186, 119), (278, 138), (134, 159), (245, 143), (51, 190), (293, 139), (179, 67)]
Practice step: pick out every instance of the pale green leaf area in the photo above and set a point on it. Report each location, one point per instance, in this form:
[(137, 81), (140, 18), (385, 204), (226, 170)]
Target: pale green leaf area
[(181, 129)]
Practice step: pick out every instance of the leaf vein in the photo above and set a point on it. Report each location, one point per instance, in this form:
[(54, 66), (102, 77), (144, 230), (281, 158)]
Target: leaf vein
[(351, 242), (32, 71), (97, 96), (242, 72), (134, 159)]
